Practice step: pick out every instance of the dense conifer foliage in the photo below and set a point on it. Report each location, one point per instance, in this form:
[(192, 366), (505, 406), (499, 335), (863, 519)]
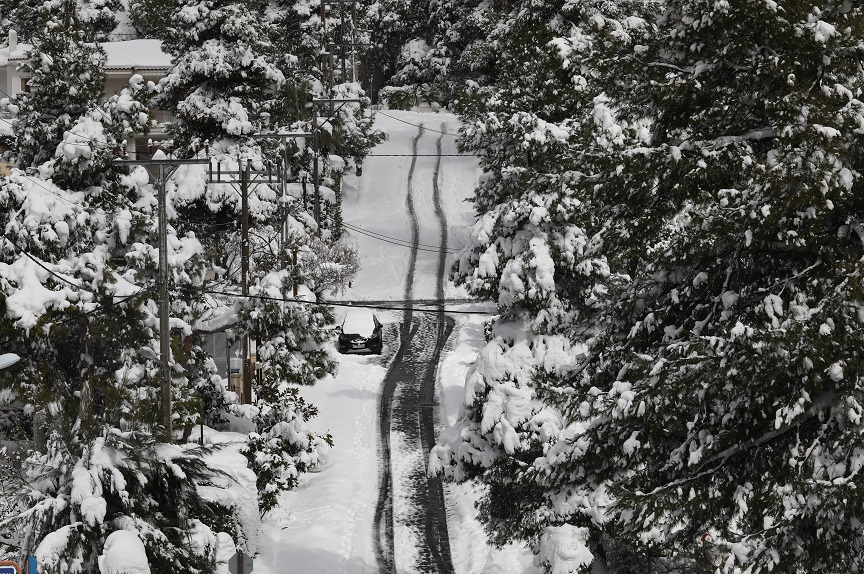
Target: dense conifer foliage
[(78, 275), (701, 405)]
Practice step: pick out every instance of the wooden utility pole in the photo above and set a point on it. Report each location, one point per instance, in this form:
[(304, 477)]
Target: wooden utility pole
[(243, 167), (246, 177), (294, 270), (164, 309), (87, 378), (283, 207), (327, 71), (342, 47), (316, 183), (354, 41), (166, 168)]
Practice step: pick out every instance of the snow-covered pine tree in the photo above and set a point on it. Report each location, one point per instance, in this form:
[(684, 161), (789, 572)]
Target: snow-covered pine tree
[(78, 268), (98, 17), (24, 17), (151, 18), (223, 76), (298, 34), (537, 250), (430, 54), (66, 72), (27, 17), (456, 27), (722, 406), (227, 73), (392, 25), (296, 38), (349, 134)]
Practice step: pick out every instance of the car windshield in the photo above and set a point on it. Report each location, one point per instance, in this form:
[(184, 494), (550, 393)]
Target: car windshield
[(359, 322)]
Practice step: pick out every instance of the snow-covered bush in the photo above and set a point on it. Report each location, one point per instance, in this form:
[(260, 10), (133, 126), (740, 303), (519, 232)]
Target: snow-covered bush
[(81, 500), (294, 349), (329, 265), (285, 447)]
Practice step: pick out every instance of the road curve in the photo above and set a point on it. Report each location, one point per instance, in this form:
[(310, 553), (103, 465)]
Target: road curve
[(407, 421)]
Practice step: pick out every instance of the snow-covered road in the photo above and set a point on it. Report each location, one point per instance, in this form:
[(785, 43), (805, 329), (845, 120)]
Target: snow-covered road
[(327, 525)]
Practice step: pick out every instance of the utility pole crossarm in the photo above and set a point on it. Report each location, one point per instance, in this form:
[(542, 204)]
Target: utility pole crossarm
[(276, 135), (166, 162), (343, 100)]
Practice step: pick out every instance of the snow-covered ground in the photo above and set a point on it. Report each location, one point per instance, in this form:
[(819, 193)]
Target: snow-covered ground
[(326, 525)]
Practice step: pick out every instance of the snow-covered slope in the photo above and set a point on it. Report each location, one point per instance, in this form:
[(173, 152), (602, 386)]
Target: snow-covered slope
[(326, 525)]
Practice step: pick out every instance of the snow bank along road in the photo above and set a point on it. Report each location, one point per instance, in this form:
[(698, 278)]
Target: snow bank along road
[(410, 517)]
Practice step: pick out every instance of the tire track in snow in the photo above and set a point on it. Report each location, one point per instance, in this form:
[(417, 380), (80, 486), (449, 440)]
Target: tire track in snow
[(384, 551), (436, 515), (411, 504)]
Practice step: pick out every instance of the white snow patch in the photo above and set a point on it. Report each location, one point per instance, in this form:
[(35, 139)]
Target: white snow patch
[(123, 553), (564, 549)]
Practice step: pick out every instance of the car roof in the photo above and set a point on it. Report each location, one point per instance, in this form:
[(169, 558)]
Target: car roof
[(358, 318)]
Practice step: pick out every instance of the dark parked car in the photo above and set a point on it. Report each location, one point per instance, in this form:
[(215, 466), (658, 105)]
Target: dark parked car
[(360, 331)]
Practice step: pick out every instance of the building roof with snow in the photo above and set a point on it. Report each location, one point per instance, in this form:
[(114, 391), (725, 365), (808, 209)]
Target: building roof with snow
[(136, 55), (132, 55), (18, 53)]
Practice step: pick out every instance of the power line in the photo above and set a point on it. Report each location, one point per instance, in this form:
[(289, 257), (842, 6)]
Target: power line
[(416, 125), (408, 245), (58, 276), (397, 241), (358, 304), (394, 240)]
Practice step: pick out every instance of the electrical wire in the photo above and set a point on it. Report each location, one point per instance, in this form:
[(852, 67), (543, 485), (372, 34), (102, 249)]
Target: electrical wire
[(58, 276), (359, 304), (358, 228), (397, 241), (416, 125), (408, 245)]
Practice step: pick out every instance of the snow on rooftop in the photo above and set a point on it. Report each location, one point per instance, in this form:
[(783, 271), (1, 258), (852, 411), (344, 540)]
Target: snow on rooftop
[(136, 54), (140, 54), (19, 53)]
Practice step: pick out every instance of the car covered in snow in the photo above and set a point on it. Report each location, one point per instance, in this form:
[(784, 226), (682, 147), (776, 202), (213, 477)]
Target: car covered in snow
[(360, 331)]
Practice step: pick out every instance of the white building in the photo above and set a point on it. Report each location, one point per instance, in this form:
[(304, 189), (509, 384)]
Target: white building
[(124, 59), (12, 80)]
